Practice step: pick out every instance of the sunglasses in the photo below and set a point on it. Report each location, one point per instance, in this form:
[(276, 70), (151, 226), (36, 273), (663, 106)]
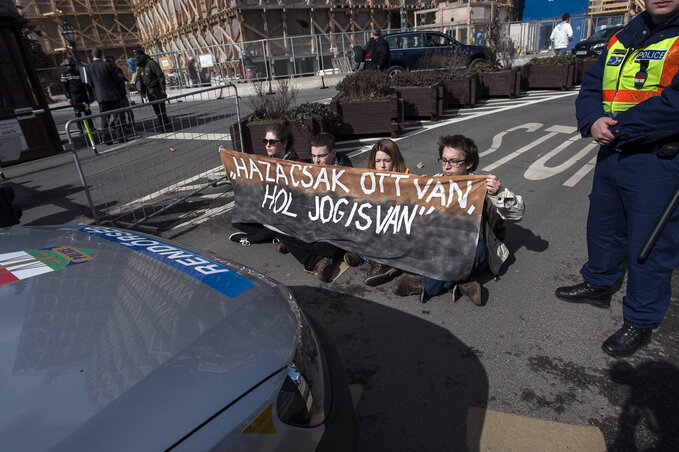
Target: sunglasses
[(271, 142)]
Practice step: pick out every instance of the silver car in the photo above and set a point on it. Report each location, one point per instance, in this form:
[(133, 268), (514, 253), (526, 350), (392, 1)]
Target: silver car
[(112, 340)]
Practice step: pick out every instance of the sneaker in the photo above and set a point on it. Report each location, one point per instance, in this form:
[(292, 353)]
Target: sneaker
[(352, 259), (240, 237), (379, 274)]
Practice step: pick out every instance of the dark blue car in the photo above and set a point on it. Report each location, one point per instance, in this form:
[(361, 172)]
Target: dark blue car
[(408, 48)]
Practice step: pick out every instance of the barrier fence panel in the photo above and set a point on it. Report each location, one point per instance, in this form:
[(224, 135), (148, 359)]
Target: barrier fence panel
[(147, 163)]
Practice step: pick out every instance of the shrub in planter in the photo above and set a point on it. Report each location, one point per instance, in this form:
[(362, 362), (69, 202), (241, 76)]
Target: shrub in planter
[(367, 105), (556, 72), (306, 120), (460, 82), (364, 85), (494, 81), (422, 92)]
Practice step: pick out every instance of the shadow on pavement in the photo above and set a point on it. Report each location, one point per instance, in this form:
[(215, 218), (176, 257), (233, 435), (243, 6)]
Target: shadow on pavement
[(420, 381), (651, 404)]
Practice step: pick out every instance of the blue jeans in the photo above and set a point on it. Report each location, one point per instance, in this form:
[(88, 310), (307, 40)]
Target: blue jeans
[(435, 286), (560, 52)]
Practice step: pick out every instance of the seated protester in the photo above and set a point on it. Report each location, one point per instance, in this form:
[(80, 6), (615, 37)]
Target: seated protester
[(278, 141), (384, 156), (317, 257), (459, 156)]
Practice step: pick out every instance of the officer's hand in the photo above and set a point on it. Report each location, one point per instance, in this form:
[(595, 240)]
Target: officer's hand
[(601, 130)]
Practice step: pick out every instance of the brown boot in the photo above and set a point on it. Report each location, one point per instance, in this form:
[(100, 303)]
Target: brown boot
[(472, 290), (282, 248), (379, 274), (324, 269), (411, 285)]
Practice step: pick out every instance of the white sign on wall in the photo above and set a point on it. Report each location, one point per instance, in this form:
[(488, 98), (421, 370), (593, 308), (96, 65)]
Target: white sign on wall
[(206, 60)]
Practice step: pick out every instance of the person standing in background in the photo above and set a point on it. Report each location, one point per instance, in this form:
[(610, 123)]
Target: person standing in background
[(562, 35), (105, 83)]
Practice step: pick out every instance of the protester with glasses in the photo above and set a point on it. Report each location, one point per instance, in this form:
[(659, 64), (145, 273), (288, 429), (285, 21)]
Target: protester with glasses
[(384, 156), (278, 144), (459, 156), (319, 258)]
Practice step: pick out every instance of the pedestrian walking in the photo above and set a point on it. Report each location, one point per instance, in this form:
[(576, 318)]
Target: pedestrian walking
[(105, 83), (562, 35), (128, 116), (153, 87), (77, 92), (629, 104)]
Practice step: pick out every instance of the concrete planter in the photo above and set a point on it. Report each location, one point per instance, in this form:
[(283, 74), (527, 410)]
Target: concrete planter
[(422, 101), (550, 77), (505, 83), (581, 66), (370, 117), (253, 133), (463, 92)]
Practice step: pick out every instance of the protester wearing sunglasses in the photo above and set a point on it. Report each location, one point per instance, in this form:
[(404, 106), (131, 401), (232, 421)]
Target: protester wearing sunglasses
[(278, 144)]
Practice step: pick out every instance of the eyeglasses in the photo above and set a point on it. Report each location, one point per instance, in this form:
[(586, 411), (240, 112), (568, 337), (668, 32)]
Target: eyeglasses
[(452, 162), (271, 142), (320, 156)]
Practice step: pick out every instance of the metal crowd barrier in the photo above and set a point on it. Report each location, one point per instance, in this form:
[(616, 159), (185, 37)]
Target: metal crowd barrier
[(143, 166)]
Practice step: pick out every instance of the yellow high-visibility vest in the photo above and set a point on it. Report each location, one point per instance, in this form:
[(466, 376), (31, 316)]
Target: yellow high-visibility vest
[(633, 75)]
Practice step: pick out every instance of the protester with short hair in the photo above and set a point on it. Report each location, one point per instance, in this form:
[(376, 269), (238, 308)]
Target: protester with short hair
[(278, 143), (459, 156), (319, 258)]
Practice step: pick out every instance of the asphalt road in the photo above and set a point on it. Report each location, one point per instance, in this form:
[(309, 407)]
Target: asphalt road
[(423, 367)]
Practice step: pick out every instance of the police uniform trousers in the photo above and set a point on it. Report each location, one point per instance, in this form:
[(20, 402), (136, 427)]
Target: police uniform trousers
[(629, 193)]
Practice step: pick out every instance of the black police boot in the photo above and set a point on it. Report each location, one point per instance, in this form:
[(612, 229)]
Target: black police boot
[(627, 340), (585, 293)]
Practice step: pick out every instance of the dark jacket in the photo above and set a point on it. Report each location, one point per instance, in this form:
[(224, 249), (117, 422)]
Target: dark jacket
[(652, 121), (341, 159), (103, 79), (152, 78), (380, 54), (74, 88)]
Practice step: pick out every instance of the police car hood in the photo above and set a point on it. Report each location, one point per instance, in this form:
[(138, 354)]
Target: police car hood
[(122, 334)]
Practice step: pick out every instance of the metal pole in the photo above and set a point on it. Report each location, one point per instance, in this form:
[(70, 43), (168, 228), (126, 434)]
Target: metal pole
[(664, 219), (294, 59)]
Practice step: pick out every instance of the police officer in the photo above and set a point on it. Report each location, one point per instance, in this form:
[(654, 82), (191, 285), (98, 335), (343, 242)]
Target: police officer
[(629, 104), (76, 91)]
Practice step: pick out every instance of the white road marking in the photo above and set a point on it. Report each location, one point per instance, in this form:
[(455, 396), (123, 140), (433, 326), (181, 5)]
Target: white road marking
[(553, 131), (213, 173), (497, 139), (538, 169), (582, 172)]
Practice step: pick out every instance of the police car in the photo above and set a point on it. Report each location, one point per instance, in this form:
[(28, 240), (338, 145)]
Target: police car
[(113, 340)]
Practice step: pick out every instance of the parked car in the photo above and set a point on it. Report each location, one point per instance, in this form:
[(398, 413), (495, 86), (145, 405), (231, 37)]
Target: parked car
[(118, 341), (407, 48), (596, 43)]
